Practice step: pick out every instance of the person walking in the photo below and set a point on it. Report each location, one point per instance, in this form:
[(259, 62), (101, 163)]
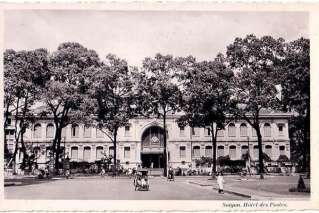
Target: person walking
[(220, 182)]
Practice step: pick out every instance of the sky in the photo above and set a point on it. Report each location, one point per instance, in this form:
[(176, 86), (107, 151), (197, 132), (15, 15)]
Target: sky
[(134, 35)]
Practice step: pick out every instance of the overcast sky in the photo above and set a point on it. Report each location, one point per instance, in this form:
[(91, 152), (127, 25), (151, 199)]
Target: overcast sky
[(136, 35)]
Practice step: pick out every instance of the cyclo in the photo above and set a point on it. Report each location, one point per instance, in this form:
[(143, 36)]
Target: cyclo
[(141, 180)]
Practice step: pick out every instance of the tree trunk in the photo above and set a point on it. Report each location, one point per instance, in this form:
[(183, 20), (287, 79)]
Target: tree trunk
[(261, 156), (165, 142), (214, 143), (58, 149), (114, 145)]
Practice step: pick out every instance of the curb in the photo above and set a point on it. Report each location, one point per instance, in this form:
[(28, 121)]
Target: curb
[(226, 191), (12, 184)]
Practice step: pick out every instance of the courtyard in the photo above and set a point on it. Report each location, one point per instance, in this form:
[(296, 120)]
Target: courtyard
[(183, 188)]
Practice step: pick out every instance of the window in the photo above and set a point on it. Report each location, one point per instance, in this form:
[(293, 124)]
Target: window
[(127, 151), (9, 122), (220, 151), (63, 133), (37, 131), (207, 131), (243, 130), (182, 152), (99, 152), (182, 131), (208, 151), (127, 130), (282, 150), (244, 149), (268, 150), (231, 130), (10, 134), (281, 129), (232, 152), (196, 151), (220, 133), (50, 131), (87, 153), (256, 152), (111, 151), (267, 130), (254, 133), (87, 131), (99, 133), (195, 131), (74, 153), (75, 131)]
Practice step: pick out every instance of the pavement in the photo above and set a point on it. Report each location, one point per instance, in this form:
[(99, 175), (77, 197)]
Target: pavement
[(183, 188), (108, 188), (270, 188)]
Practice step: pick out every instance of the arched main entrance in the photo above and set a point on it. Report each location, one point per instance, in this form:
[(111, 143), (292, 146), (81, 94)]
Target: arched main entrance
[(152, 147)]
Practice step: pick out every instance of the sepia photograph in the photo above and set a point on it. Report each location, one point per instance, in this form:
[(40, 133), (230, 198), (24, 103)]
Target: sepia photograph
[(156, 105)]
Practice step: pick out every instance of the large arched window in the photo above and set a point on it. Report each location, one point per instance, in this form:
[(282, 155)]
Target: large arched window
[(220, 151), (75, 131), (267, 130), (37, 131), (87, 153), (196, 151), (50, 131), (232, 152), (99, 152), (74, 153), (243, 130), (231, 130), (208, 151)]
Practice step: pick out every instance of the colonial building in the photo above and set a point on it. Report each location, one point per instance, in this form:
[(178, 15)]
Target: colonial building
[(141, 142)]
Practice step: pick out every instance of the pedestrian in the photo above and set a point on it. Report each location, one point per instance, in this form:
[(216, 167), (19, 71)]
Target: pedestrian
[(220, 182)]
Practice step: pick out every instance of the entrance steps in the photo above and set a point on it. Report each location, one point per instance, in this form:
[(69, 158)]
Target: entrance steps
[(156, 172)]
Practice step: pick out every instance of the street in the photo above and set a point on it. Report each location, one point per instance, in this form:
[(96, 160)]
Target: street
[(98, 188)]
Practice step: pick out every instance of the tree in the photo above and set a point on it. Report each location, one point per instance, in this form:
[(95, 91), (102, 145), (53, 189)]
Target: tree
[(207, 98), (70, 70), (256, 61), (295, 83), (112, 98), (25, 73), (158, 91)]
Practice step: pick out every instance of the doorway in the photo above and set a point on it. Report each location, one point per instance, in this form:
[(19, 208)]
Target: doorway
[(156, 159)]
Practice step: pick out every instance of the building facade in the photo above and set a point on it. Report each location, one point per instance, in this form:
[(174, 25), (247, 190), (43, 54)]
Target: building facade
[(141, 142)]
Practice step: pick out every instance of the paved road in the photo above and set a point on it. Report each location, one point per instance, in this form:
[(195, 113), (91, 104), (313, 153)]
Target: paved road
[(97, 188)]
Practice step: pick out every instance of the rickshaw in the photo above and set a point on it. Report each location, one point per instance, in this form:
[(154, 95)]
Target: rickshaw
[(141, 180)]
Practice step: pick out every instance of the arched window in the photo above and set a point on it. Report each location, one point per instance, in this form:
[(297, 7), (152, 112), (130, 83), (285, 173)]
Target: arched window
[(50, 131), (232, 152), (99, 152), (74, 153), (243, 130), (244, 149), (208, 151), (220, 151), (196, 151), (87, 153), (231, 130), (268, 150), (267, 130), (75, 131), (182, 151), (282, 150), (87, 131), (127, 152), (37, 131), (256, 152), (111, 151)]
